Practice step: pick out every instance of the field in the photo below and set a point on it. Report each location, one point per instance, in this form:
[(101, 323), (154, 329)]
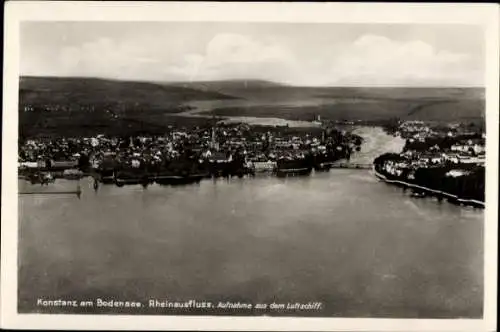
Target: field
[(339, 103), (83, 106)]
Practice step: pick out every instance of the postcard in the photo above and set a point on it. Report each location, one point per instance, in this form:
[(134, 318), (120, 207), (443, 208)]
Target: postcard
[(250, 166)]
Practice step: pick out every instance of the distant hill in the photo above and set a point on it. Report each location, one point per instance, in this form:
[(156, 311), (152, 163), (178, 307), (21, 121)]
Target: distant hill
[(130, 94), (102, 93), (266, 99), (101, 105), (228, 85), (260, 88), (88, 106), (241, 89)]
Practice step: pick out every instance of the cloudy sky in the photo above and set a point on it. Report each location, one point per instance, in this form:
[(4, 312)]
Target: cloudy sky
[(298, 54)]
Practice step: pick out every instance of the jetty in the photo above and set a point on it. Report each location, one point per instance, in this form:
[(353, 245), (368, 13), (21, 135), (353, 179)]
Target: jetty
[(77, 192)]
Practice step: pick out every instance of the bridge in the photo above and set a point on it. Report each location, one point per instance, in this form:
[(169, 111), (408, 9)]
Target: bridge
[(352, 165)]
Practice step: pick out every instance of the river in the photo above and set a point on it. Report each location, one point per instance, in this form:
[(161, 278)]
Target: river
[(357, 245)]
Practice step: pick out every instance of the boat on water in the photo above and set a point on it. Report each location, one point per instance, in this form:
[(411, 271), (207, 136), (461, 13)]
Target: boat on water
[(293, 167), (418, 194), (260, 166), (178, 172), (324, 161), (120, 182), (131, 177), (323, 166), (179, 179), (107, 176), (72, 174)]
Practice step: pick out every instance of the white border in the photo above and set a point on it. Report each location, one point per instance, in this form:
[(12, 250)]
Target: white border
[(15, 11)]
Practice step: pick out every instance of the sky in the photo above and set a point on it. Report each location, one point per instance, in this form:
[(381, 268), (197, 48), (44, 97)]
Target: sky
[(304, 54)]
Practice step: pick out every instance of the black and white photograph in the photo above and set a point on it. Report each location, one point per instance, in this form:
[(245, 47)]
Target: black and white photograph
[(251, 168)]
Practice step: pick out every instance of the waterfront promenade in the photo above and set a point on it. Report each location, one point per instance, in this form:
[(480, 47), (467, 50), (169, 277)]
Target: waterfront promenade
[(437, 193)]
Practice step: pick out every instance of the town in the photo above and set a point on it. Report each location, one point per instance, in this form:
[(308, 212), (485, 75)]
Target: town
[(186, 155), (448, 159)]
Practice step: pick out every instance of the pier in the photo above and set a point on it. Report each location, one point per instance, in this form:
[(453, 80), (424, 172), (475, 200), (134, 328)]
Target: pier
[(77, 192)]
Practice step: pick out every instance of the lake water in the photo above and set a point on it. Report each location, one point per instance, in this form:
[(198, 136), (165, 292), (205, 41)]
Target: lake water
[(359, 246), (200, 107)]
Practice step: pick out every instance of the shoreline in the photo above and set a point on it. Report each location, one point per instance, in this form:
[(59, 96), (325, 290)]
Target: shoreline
[(460, 200)]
